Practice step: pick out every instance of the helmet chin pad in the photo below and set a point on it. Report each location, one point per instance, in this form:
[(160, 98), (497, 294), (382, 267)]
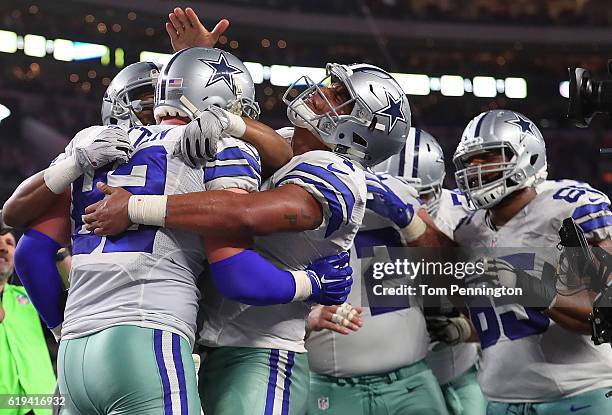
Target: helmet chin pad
[(168, 111)]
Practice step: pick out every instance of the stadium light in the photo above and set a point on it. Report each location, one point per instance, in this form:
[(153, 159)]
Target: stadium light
[(8, 41), (413, 84), (35, 45), (516, 88), (82, 51), (452, 85), (564, 89), (256, 70), (161, 58), (62, 49), (485, 86)]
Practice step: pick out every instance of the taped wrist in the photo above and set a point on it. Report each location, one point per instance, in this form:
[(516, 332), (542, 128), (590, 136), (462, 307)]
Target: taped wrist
[(303, 286), (60, 175), (236, 127), (250, 279), (148, 209), (414, 230)]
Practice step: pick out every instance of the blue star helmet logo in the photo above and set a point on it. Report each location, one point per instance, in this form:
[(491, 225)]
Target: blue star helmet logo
[(393, 111), (222, 71), (523, 123)]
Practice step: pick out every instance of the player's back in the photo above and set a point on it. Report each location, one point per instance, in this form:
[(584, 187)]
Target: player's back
[(147, 275), (339, 187), (402, 327), (526, 355)]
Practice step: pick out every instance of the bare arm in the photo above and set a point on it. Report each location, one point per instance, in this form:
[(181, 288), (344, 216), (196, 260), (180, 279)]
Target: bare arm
[(288, 208), (432, 237), (274, 150), (29, 201)]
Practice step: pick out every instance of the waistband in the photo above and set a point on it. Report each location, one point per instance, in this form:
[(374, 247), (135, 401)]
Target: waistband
[(388, 377)]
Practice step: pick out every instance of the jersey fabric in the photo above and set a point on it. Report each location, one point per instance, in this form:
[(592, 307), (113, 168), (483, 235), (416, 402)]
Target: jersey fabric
[(339, 186), (404, 330), (147, 275), (453, 208), (527, 357)]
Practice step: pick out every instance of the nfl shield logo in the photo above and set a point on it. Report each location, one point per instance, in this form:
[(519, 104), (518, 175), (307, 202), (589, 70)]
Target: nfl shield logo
[(323, 403)]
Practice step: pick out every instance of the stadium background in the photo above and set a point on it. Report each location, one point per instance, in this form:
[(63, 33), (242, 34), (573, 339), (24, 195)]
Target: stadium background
[(57, 57)]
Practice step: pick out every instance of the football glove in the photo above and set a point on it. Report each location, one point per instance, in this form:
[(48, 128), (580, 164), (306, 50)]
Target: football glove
[(200, 138), (331, 279), (449, 330)]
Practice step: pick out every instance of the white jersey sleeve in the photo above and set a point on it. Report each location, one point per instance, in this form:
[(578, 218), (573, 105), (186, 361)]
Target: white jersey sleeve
[(236, 165), (453, 208), (286, 133), (335, 182), (589, 207)]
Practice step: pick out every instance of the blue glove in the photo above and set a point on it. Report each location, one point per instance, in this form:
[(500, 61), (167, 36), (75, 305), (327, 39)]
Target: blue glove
[(387, 204), (331, 279)]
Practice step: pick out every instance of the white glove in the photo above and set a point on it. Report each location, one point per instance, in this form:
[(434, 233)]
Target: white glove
[(451, 331), (200, 140), (201, 136), (110, 144)]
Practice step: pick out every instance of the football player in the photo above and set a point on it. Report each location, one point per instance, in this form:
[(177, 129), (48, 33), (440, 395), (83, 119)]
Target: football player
[(257, 363), (381, 368), (421, 164), (149, 295), (536, 360)]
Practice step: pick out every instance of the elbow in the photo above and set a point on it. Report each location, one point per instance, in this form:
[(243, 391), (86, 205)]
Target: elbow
[(10, 216)]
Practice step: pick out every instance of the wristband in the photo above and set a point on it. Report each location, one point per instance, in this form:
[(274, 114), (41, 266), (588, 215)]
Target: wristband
[(148, 209), (60, 175), (303, 286), (414, 230)]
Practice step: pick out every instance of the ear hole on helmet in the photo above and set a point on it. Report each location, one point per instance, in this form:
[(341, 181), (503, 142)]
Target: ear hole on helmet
[(533, 159), (357, 139)]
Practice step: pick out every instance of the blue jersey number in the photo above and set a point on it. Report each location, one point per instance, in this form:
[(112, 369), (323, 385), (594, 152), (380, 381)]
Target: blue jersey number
[(514, 326), (145, 173)]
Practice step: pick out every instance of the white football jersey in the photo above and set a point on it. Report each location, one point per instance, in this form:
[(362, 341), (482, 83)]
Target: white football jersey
[(527, 357), (402, 328), (450, 362), (340, 188), (147, 275)]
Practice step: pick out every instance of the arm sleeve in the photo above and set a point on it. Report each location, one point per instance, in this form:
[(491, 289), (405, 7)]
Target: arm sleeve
[(236, 165), (250, 279), (35, 265)]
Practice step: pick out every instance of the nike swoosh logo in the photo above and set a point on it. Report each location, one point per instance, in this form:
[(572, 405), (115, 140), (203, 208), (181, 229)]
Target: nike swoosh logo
[(331, 167), (578, 408), (593, 199)]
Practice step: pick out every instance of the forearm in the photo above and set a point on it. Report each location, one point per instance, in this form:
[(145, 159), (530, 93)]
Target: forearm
[(274, 150), (35, 265), (250, 279), (28, 202), (572, 312), (221, 212)]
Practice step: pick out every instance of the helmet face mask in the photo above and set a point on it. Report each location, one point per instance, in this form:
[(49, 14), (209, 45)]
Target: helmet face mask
[(377, 124), (500, 152)]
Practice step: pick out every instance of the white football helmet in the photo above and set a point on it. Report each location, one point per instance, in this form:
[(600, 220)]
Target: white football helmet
[(421, 164), (120, 103), (378, 124), (522, 150)]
